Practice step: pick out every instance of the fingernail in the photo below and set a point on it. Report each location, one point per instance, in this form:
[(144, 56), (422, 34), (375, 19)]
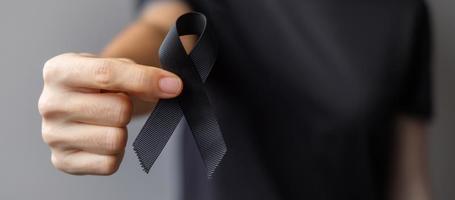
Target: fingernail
[(170, 85)]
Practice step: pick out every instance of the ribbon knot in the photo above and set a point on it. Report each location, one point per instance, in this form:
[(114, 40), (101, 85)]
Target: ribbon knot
[(193, 103)]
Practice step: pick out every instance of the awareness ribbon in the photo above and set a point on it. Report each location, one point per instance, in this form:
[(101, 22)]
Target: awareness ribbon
[(193, 103)]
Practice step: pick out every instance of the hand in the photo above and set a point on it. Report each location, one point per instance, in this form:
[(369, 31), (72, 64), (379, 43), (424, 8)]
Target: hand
[(85, 106)]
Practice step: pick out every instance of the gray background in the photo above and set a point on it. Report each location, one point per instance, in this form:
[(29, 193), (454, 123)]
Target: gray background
[(31, 33), (34, 31)]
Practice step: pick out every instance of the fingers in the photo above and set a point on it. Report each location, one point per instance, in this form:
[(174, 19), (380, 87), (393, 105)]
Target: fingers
[(82, 163), (78, 71), (105, 109), (85, 109), (85, 137)]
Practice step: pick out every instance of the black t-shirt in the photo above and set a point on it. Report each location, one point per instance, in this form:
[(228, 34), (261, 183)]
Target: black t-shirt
[(306, 93)]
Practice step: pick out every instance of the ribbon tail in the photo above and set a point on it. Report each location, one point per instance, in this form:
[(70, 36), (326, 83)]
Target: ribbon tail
[(203, 123), (212, 148), (156, 132)]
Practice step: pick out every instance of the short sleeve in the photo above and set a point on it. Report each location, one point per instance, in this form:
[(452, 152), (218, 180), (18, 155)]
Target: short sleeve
[(416, 96)]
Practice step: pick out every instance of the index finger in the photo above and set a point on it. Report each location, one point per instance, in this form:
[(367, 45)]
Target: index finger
[(113, 74)]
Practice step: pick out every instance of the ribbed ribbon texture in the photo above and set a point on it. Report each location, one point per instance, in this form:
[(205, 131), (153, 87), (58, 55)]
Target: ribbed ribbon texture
[(193, 103)]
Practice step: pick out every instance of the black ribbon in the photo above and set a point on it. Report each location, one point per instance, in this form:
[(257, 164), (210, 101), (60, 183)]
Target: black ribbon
[(193, 103)]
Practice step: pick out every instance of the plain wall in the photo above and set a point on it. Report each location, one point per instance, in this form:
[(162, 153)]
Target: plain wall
[(30, 33), (33, 31)]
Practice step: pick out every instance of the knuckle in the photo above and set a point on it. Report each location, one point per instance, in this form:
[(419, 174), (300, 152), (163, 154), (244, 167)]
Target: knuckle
[(104, 72), (142, 81), (49, 106), (45, 106), (51, 138), (66, 163), (115, 140), (123, 111), (52, 67), (57, 162)]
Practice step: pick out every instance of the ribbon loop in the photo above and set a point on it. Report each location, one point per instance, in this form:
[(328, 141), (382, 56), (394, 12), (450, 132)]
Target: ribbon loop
[(193, 103)]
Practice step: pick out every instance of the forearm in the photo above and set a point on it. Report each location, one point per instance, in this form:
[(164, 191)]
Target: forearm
[(141, 40), (410, 172)]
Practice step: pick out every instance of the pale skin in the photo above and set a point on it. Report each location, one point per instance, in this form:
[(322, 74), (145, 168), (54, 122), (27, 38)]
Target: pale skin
[(88, 100)]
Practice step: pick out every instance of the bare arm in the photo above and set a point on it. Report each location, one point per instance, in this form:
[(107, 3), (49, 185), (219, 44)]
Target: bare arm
[(141, 40), (410, 175)]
